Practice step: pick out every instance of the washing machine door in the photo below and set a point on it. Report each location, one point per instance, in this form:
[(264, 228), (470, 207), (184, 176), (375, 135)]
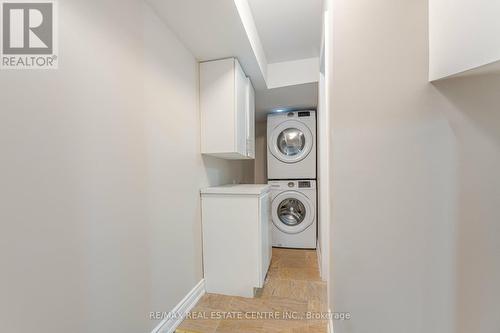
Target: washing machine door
[(292, 212), (291, 141)]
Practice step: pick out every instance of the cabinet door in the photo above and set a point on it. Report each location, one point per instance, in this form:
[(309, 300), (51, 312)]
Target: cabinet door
[(265, 236), (250, 120), (240, 109), (217, 106), (223, 109)]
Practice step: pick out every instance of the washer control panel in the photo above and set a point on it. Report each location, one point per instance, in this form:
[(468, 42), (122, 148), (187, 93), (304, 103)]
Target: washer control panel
[(304, 184)]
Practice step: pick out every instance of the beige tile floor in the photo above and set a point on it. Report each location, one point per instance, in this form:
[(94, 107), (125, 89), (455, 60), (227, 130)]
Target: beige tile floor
[(293, 288)]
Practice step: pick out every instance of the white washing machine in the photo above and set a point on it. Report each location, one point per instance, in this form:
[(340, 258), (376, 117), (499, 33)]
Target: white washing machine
[(291, 145), (293, 210)]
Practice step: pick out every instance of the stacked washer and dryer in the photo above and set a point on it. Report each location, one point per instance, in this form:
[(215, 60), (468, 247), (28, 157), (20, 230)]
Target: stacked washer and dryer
[(291, 172)]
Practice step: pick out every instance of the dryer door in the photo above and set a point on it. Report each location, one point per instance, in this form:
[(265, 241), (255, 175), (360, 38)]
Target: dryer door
[(291, 141), (292, 212)]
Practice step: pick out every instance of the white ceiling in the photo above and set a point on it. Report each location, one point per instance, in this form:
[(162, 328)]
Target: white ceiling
[(211, 30), (491, 68), (288, 29)]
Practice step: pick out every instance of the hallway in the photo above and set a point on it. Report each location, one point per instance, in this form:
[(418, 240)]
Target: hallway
[(293, 288)]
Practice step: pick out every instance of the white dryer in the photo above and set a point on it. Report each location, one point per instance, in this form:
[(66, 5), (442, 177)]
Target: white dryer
[(291, 145), (293, 211)]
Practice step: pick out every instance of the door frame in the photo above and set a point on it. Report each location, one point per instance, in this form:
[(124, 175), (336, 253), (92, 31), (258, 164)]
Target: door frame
[(324, 149)]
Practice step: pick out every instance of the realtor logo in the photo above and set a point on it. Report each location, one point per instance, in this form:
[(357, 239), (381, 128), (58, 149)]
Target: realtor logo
[(28, 35)]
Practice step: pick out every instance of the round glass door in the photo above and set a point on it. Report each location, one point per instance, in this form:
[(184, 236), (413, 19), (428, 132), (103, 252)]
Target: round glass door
[(291, 142), (291, 212)]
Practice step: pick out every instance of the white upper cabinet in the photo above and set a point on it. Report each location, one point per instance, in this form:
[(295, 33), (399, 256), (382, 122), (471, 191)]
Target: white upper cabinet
[(250, 111), (227, 110), (463, 36)]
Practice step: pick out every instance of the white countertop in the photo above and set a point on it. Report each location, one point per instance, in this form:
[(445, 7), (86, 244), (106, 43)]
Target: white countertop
[(242, 189)]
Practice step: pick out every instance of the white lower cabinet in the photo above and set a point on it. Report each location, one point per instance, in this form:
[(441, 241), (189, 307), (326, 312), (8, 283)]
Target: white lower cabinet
[(237, 245)]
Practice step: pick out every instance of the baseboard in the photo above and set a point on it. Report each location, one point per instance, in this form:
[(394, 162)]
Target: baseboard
[(169, 325), (330, 321)]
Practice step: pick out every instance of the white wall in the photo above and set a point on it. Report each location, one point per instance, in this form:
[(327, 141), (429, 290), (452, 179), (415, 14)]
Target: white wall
[(394, 174), (294, 72), (475, 121), (100, 172), (324, 155), (176, 169), (463, 35), (324, 185), (416, 181), (260, 170)]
